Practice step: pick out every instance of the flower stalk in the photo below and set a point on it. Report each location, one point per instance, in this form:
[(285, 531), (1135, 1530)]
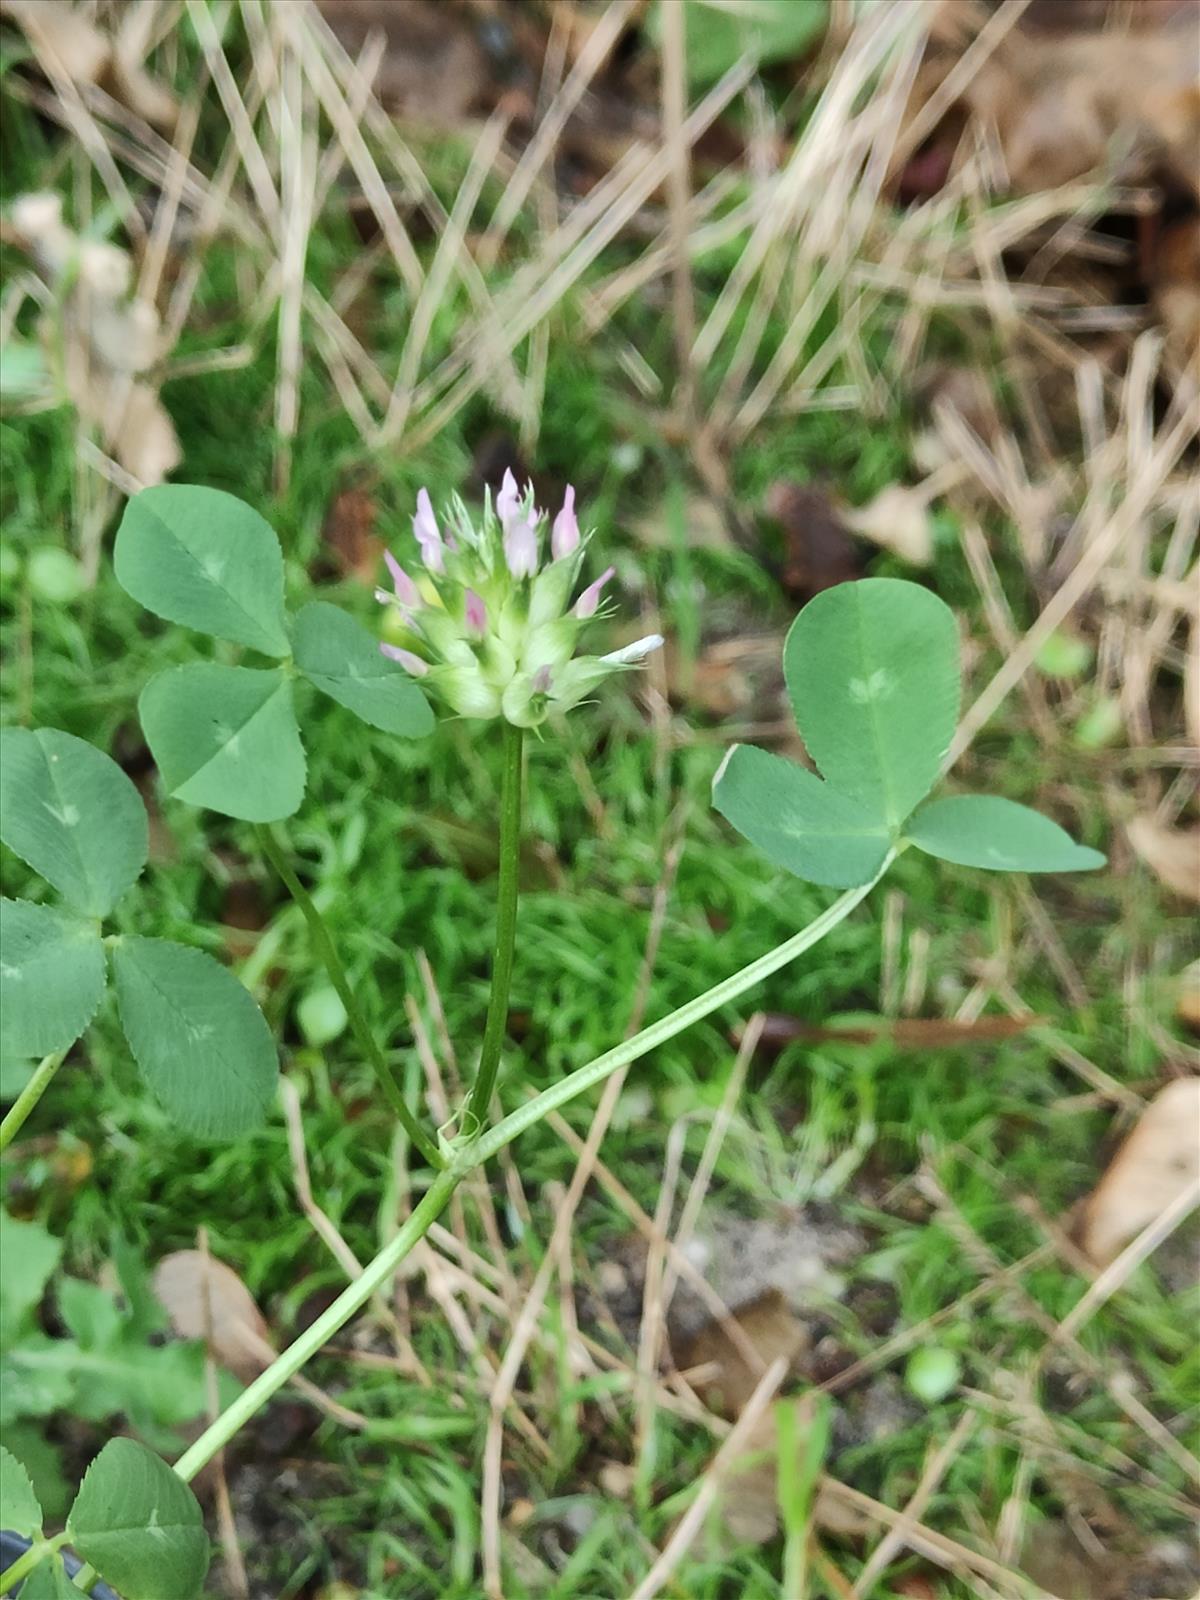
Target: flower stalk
[(470, 1154), (480, 1100)]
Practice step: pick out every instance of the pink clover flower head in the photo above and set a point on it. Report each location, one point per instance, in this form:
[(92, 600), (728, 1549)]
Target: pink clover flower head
[(585, 606), (564, 536), (492, 628)]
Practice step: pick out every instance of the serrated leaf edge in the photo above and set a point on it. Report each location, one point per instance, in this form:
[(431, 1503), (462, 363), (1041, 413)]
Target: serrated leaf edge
[(276, 654)]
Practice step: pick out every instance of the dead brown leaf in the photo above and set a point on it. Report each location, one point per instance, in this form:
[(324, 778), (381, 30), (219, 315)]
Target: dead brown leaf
[(916, 1586), (1174, 275), (750, 1503), (433, 69), (1063, 104), (737, 677), (1156, 1163), (897, 520), (1061, 1564), (704, 526), (348, 534), (772, 1328), (818, 548), (1172, 854), (102, 342), (184, 1281), (725, 1381), (906, 1033)]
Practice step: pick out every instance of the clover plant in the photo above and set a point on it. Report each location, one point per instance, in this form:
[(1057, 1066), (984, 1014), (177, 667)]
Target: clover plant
[(487, 613)]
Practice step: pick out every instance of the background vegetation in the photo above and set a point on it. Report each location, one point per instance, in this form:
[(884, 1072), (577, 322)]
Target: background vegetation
[(722, 296)]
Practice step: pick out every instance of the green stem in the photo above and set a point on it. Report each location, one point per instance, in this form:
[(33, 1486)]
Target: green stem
[(480, 1100), (472, 1154), (367, 1041), (29, 1097), (252, 1399), (667, 1027), (32, 1559), (85, 1578)]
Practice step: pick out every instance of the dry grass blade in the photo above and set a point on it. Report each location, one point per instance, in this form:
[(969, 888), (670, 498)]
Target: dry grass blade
[(679, 182), (722, 1463), (298, 178), (231, 1552), (450, 247), (600, 42), (1152, 458), (893, 1541), (1118, 1272)]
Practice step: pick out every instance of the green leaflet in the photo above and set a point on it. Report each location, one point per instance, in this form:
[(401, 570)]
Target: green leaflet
[(719, 35), (49, 1582), (983, 830), (139, 1525), (202, 1044), (19, 1509), (342, 659), (226, 737), (205, 559), (51, 978), (872, 670), (798, 822), (30, 1255), (70, 812)]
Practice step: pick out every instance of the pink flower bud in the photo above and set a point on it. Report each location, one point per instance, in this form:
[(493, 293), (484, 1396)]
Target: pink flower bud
[(586, 605), (541, 680), (426, 529), (508, 500), (520, 548), (476, 611), (406, 589), (407, 660), (564, 536)]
